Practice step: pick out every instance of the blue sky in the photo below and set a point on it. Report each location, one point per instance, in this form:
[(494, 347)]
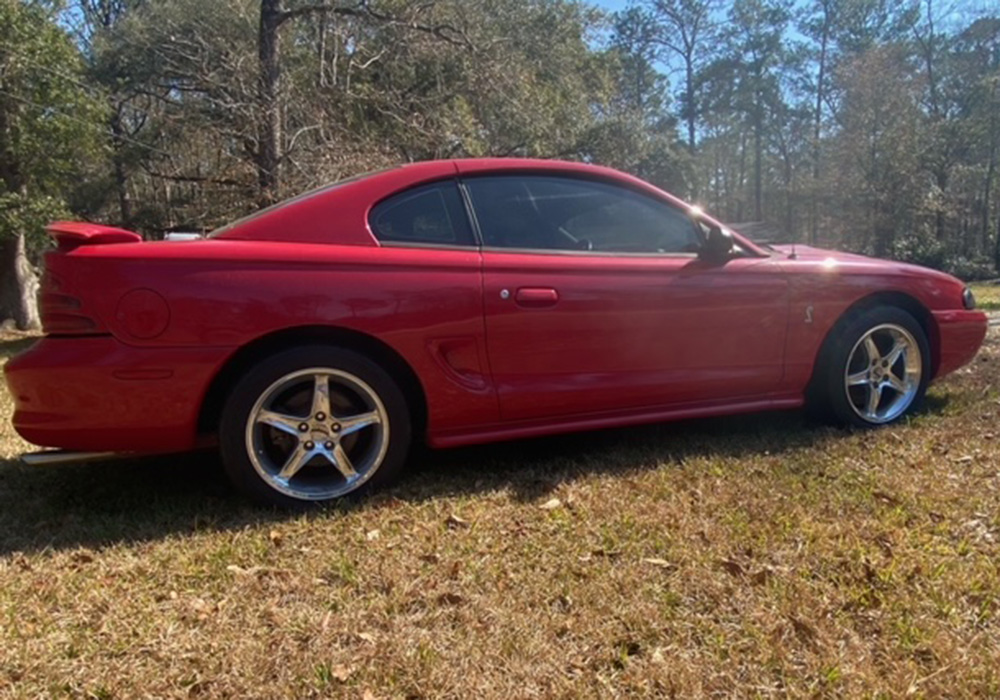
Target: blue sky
[(611, 4)]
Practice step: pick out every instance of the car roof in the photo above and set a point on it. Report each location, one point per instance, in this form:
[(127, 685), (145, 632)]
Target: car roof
[(338, 213)]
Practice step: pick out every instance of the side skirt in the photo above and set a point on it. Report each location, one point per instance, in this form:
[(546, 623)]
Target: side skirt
[(579, 423)]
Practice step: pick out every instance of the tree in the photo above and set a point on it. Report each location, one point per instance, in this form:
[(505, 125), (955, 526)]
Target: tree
[(687, 28), (819, 24), (974, 77), (48, 127), (746, 80), (877, 154), (635, 131), (112, 72)]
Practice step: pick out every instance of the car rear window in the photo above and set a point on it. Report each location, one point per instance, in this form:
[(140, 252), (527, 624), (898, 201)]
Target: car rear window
[(431, 214)]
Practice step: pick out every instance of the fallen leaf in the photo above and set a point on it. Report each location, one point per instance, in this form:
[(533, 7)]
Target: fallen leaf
[(563, 602), (82, 557), (450, 599), (604, 553), (761, 577), (455, 521), (871, 575), (430, 558), (964, 459), (886, 498), (731, 567), (255, 570), (660, 563), (372, 535), (276, 537), (342, 673), (551, 504), (804, 631)]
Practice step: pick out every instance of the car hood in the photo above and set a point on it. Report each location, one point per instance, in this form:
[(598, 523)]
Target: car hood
[(862, 263), (808, 252)]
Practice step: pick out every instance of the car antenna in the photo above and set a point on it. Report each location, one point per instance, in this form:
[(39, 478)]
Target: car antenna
[(793, 255)]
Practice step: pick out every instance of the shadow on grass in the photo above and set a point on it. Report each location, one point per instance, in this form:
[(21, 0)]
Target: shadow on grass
[(102, 504)]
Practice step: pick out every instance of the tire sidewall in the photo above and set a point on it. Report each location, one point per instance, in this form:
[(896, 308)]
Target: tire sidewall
[(236, 412), (843, 342)]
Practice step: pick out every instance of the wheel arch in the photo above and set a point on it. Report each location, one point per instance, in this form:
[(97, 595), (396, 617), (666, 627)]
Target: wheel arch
[(260, 348), (900, 300)]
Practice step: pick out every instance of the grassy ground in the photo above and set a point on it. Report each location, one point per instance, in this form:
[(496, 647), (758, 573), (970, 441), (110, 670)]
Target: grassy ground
[(987, 296), (756, 556)]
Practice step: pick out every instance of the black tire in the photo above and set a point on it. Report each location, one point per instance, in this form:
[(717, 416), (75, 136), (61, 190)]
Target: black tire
[(352, 380), (832, 400)]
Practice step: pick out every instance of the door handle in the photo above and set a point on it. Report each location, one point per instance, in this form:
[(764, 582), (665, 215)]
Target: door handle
[(536, 296)]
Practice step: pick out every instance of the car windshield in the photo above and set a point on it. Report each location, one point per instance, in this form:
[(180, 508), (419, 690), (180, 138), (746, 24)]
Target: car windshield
[(298, 198)]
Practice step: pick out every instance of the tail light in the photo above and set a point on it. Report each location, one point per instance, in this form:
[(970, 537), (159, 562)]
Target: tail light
[(62, 312)]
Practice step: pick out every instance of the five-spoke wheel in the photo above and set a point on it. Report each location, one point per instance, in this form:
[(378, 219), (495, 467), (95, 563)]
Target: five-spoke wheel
[(873, 368), (883, 373), (313, 424)]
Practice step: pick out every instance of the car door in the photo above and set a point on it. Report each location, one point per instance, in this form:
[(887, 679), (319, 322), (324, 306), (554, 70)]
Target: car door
[(431, 277), (595, 300)]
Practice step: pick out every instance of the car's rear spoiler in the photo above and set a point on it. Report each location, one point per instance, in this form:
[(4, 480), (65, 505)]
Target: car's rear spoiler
[(72, 234)]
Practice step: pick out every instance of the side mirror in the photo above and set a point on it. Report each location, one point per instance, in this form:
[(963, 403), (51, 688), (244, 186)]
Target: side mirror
[(718, 246)]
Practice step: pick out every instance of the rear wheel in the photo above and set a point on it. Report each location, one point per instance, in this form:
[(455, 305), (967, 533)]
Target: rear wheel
[(875, 368), (314, 424)]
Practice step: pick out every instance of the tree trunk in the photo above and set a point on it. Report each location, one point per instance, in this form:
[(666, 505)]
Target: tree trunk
[(996, 251), (691, 112), (988, 185), (758, 174), (817, 133), (18, 285), (269, 137), (941, 179), (984, 228), (742, 176), (121, 174), (321, 51)]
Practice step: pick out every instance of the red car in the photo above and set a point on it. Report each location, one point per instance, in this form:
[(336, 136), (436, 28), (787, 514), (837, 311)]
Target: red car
[(461, 302)]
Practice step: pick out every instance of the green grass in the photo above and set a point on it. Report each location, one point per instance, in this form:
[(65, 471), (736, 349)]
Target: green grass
[(987, 296), (746, 557)]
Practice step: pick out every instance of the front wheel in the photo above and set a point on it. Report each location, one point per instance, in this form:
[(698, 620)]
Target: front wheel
[(314, 424), (875, 368)]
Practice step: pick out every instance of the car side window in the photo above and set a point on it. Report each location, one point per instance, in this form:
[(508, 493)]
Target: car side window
[(431, 214), (558, 213)]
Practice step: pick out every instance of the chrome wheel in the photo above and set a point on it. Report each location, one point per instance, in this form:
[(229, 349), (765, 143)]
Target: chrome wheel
[(317, 434), (883, 373)]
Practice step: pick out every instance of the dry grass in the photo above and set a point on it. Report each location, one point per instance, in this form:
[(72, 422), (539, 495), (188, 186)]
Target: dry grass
[(756, 556)]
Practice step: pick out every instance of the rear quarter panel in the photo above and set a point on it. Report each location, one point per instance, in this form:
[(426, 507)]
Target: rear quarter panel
[(424, 304)]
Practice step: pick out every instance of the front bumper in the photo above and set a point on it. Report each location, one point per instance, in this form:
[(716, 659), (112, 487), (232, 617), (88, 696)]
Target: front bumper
[(96, 393), (960, 335)]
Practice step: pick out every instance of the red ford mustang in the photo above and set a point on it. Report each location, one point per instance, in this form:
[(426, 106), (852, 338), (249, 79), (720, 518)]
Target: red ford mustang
[(461, 302)]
